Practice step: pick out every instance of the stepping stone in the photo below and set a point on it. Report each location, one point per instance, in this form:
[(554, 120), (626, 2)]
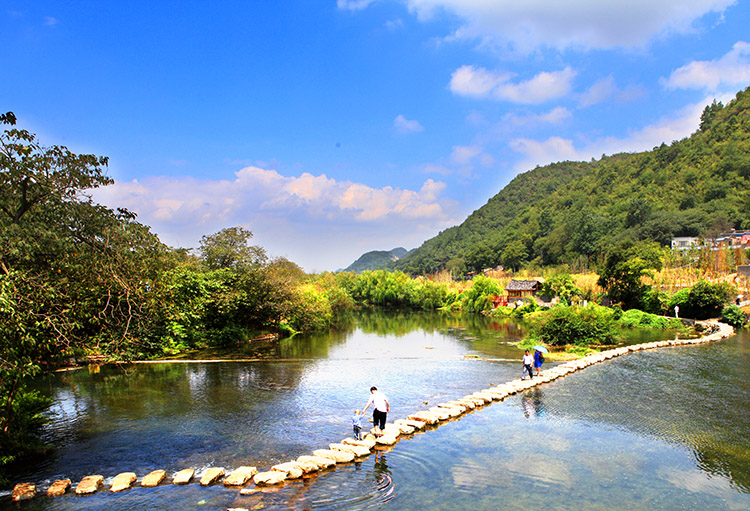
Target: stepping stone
[(23, 491), (212, 475), (59, 487), (240, 476), (337, 456), (306, 466), (357, 450), (318, 460), (364, 443), (122, 481), (423, 416), (413, 424), (290, 469), (387, 440), (153, 478), (269, 478), (441, 413), (404, 429), (89, 485), (183, 476)]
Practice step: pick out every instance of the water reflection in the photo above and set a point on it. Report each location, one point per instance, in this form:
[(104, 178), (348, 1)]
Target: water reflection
[(531, 401)]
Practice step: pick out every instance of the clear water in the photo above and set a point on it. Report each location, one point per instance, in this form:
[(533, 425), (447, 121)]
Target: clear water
[(665, 429)]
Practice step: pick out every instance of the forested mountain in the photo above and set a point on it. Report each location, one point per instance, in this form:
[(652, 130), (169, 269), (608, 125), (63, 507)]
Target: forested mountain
[(376, 259), (572, 212)]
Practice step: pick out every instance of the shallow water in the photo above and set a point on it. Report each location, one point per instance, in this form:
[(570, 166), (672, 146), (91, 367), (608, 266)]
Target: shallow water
[(664, 429)]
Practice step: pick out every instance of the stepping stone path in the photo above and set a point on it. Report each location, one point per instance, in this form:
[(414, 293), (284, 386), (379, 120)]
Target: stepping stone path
[(348, 449)]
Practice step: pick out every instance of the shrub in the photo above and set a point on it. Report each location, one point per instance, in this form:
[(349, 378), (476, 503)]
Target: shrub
[(704, 300), (580, 326), (732, 315), (635, 318)]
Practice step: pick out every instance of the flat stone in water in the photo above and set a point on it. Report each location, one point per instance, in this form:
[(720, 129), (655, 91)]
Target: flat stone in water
[(240, 476), (23, 491), (183, 476), (291, 469), (318, 460), (337, 456), (357, 450), (212, 475), (153, 478), (122, 481), (270, 477), (59, 487), (89, 484)]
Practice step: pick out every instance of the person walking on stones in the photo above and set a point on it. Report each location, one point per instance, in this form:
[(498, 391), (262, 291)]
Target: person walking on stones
[(380, 409), (527, 361), (357, 424), (538, 361)]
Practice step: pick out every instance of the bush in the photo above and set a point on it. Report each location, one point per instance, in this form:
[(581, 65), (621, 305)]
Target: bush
[(581, 326), (732, 315), (635, 318), (704, 300)]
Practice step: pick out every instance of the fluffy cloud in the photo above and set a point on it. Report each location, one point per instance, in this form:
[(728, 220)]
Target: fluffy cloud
[(556, 149), (595, 24), (730, 70), (480, 83), (404, 125), (304, 209)]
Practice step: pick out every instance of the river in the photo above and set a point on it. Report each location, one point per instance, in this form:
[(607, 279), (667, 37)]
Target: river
[(663, 429)]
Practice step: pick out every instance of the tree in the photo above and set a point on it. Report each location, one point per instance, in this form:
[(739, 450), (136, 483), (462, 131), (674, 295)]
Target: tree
[(75, 277), (624, 269), (229, 248)]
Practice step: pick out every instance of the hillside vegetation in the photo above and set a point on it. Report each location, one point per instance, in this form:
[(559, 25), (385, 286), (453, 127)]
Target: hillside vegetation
[(573, 212)]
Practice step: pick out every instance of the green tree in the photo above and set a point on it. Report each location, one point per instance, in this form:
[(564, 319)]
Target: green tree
[(624, 269), (229, 248)]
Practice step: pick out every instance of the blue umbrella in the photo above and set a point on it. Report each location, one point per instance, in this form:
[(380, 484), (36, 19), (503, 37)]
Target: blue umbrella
[(541, 348)]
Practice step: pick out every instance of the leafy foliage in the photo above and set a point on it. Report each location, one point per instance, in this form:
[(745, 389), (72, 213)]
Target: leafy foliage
[(573, 325), (733, 315), (704, 300), (573, 212)]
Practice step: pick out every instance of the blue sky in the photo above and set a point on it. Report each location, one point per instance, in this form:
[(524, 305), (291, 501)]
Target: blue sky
[(331, 128)]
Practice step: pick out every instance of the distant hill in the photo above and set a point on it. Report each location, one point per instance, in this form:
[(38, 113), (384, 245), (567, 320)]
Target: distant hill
[(573, 212), (377, 259)]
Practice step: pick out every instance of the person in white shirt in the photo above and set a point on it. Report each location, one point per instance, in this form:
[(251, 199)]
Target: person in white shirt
[(380, 409), (528, 360)]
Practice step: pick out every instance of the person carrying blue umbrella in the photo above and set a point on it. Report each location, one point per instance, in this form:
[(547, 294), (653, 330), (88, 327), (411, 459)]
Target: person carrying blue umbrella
[(539, 357)]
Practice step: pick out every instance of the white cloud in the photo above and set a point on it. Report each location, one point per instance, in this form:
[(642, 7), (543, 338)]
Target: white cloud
[(353, 5), (305, 210), (480, 83), (600, 91), (464, 154), (530, 24), (404, 125), (50, 21), (730, 70), (556, 149)]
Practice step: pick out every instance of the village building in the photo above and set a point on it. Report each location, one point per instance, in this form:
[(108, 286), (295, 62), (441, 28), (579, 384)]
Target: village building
[(520, 289)]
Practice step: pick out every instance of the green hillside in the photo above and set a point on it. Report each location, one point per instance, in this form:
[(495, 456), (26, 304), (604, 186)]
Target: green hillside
[(572, 212), (376, 259)]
